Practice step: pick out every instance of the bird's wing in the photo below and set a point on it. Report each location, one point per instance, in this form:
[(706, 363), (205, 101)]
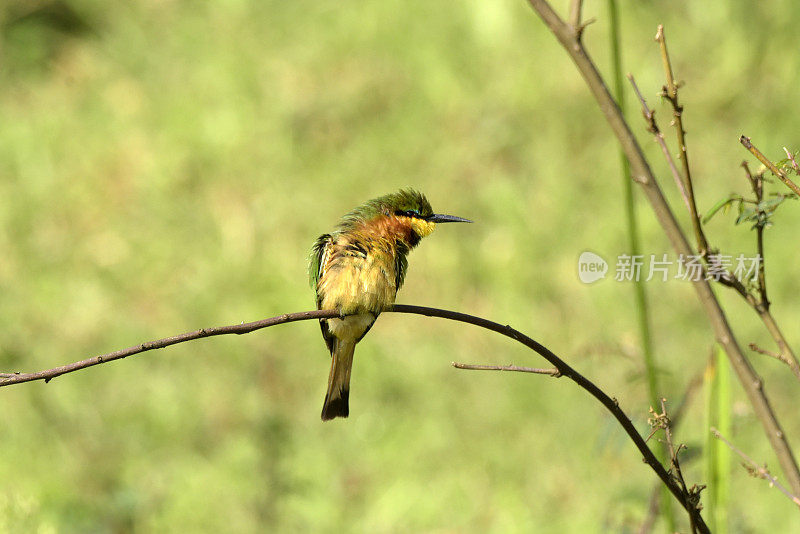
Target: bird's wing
[(319, 256), (400, 265)]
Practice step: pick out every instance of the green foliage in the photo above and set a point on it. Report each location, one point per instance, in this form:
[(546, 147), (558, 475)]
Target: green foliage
[(753, 210), (760, 214)]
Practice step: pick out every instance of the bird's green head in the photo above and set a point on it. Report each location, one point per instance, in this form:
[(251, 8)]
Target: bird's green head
[(406, 208)]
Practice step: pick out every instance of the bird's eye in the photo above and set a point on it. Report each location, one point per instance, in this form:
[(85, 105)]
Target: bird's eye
[(408, 213)]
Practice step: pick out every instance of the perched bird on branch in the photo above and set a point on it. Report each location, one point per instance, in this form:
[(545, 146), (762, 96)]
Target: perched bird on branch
[(357, 270)]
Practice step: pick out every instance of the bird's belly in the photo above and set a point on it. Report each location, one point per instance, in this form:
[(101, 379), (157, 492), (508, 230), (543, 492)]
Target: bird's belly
[(351, 327), (358, 286)]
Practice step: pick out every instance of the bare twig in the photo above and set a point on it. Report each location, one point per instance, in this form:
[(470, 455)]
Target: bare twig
[(781, 357), (783, 345), (575, 8), (670, 92), (643, 175), (555, 373), (671, 89), (756, 470), (652, 127), (791, 158), (561, 366), (687, 195), (771, 166), (765, 352)]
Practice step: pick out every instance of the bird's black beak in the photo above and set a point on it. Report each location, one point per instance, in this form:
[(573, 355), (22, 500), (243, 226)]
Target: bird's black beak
[(441, 218)]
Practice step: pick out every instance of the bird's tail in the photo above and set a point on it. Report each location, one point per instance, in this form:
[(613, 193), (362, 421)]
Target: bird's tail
[(336, 399)]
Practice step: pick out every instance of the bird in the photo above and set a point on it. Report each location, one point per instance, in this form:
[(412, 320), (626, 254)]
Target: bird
[(357, 269)]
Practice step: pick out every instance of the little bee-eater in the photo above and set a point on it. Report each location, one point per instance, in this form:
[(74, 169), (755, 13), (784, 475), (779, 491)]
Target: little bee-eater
[(357, 270)]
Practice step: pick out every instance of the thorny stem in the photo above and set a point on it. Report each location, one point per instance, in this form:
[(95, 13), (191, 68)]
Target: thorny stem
[(771, 166), (643, 175), (670, 92), (673, 455), (652, 127)]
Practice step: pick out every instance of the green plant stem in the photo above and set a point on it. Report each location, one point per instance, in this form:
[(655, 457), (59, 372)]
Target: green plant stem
[(710, 446), (725, 424), (717, 413), (640, 294)]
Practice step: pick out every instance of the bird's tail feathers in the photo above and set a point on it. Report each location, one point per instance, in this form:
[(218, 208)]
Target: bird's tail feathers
[(337, 398)]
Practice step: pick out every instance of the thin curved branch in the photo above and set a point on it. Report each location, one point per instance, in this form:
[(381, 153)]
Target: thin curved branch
[(7, 379), (555, 373)]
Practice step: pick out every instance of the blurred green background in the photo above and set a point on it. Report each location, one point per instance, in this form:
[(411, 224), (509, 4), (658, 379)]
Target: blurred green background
[(166, 165)]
